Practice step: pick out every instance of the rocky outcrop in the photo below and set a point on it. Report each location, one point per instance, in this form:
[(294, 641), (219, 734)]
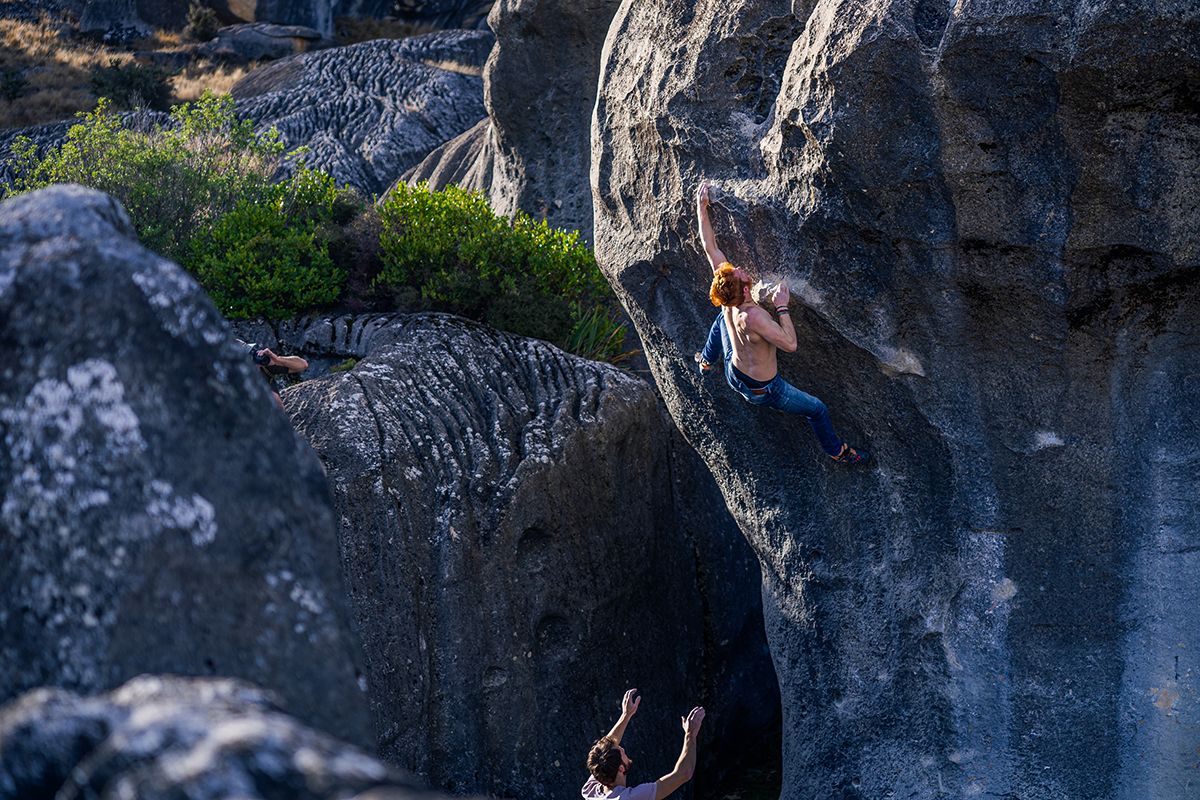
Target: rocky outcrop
[(533, 153), (156, 512), (112, 20), (525, 539), (982, 212), (162, 738), (370, 111), (261, 41), (318, 14)]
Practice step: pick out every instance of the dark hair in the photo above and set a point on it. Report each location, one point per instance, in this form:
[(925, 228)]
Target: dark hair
[(604, 761)]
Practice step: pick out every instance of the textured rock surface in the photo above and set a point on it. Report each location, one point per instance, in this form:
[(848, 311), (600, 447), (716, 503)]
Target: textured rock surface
[(164, 738), (370, 111), (519, 553), (114, 20), (318, 14), (156, 512), (533, 152), (986, 213), (260, 41)]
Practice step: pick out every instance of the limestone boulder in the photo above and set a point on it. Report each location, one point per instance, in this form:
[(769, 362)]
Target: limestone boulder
[(533, 152), (368, 112), (166, 737), (524, 538), (114, 21), (984, 213), (261, 41), (157, 512)]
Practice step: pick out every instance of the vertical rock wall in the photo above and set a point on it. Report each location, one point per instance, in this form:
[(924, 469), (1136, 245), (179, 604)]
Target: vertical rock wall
[(986, 215)]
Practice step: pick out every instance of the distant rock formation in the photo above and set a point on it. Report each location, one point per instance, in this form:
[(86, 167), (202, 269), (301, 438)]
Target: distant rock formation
[(164, 738), (533, 152), (986, 213), (156, 512), (436, 13), (525, 537), (370, 111)]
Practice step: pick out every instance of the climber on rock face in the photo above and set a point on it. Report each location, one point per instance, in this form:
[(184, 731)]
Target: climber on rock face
[(747, 338), (610, 766)]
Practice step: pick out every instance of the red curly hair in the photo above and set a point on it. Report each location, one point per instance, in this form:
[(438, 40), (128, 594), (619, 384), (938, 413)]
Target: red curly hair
[(727, 289)]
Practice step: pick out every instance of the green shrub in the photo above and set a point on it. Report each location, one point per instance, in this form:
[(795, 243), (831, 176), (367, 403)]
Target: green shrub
[(133, 85), (13, 84), (202, 23), (173, 179), (269, 256), (199, 190), (522, 276)]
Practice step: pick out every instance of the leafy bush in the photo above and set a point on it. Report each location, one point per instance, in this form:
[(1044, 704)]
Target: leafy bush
[(12, 84), (269, 256), (133, 85), (452, 251), (202, 23), (173, 179), (199, 190)]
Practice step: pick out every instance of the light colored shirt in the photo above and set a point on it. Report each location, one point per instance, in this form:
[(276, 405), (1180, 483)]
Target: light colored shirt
[(594, 789)]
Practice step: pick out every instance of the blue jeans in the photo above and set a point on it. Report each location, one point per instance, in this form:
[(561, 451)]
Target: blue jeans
[(777, 394)]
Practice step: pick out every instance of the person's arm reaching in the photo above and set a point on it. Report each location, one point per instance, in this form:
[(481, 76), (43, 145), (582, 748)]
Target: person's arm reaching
[(686, 765), (715, 257), (290, 363), (629, 707)]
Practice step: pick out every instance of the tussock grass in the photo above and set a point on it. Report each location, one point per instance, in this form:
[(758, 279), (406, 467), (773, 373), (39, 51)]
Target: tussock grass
[(51, 72), (203, 76), (349, 30)]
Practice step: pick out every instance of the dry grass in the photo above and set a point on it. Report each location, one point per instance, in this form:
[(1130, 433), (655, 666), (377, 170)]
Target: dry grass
[(52, 72), (196, 78), (349, 30)]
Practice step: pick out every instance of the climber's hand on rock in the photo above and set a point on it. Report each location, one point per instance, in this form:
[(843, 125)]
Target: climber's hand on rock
[(691, 723), (782, 296), (702, 194), (630, 703)]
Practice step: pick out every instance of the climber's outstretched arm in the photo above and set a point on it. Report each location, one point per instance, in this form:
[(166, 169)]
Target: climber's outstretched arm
[(629, 707), (715, 257)]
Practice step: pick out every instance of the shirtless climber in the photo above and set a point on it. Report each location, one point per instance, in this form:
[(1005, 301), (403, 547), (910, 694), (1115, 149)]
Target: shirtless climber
[(610, 766), (747, 338)]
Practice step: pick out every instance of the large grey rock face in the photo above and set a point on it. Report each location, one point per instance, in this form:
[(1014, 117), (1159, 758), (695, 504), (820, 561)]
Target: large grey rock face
[(318, 14), (985, 211), (518, 554), (370, 111), (156, 512), (533, 152), (163, 738)]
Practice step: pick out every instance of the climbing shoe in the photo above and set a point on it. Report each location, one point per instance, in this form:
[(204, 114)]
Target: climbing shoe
[(705, 367), (850, 456)]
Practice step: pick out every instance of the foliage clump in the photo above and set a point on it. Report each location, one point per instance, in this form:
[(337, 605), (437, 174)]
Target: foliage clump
[(200, 190), (450, 251), (202, 22), (132, 85)]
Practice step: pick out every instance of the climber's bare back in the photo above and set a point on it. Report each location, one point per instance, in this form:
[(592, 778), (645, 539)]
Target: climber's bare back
[(752, 354)]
